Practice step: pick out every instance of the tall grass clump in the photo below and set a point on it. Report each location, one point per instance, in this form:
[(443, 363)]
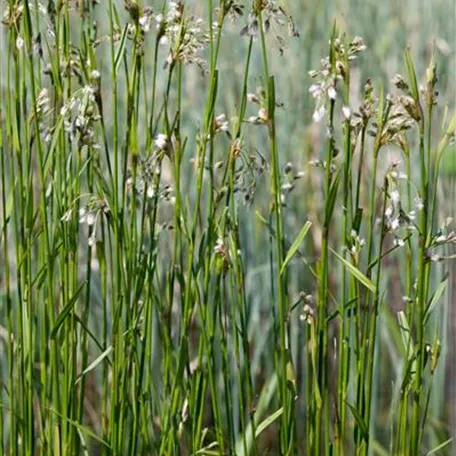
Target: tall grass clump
[(174, 281)]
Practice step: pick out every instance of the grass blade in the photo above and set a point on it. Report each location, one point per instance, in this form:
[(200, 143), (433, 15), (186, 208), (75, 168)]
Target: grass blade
[(355, 272), (295, 246)]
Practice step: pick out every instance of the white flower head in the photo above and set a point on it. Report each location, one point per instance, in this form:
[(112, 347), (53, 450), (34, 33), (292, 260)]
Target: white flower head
[(307, 313), (161, 141), (287, 186), (263, 114), (163, 40), (395, 224), (144, 22), (358, 43), (19, 43), (332, 93), (220, 123), (389, 211), (158, 19), (318, 114), (419, 203), (441, 238), (82, 215), (150, 191), (395, 196), (399, 242), (91, 218), (92, 240), (219, 246), (174, 13), (346, 112), (315, 90), (399, 175)]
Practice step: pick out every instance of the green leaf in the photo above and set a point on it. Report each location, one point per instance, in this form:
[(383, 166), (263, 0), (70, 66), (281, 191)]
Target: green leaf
[(268, 421), (296, 243), (378, 449), (435, 298), (448, 160), (82, 428), (411, 75), (405, 331), (359, 422), (9, 205), (54, 142), (356, 273), (380, 113), (94, 363), (121, 49), (268, 393), (313, 357), (439, 447), (358, 219), (56, 439), (291, 377), (66, 310), (331, 198), (409, 372), (90, 333), (347, 306), (207, 450)]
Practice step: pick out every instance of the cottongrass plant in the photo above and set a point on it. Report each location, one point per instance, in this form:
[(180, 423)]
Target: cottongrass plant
[(126, 321)]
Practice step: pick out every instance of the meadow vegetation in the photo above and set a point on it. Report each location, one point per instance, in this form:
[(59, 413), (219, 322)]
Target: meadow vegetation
[(226, 227)]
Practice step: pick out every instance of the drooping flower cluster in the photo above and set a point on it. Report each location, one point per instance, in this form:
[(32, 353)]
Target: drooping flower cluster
[(290, 175), (440, 241), (360, 119), (325, 87), (89, 215), (43, 109), (272, 14), (80, 115), (259, 98), (161, 141), (308, 312), (220, 124), (402, 112), (231, 9), (225, 252), (251, 167), (184, 34), (355, 243), (146, 182), (402, 116), (396, 218)]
